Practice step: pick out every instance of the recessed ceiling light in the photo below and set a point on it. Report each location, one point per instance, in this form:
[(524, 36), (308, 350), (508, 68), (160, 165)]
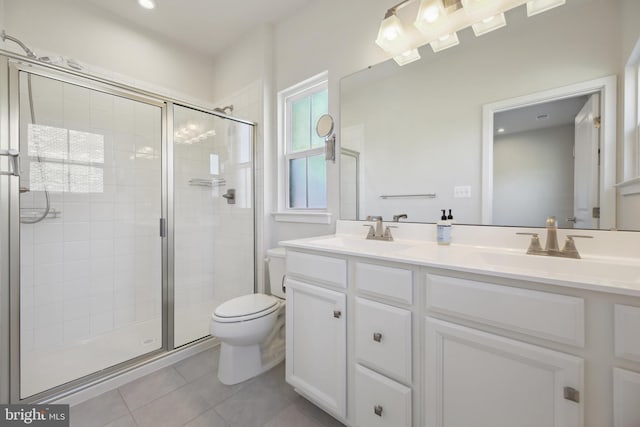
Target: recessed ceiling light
[(500, 130), (147, 4)]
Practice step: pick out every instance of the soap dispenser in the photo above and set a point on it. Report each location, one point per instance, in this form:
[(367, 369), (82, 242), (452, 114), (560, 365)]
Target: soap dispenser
[(444, 229)]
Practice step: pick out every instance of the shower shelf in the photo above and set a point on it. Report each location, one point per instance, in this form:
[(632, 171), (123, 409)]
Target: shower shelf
[(216, 182), (34, 213)]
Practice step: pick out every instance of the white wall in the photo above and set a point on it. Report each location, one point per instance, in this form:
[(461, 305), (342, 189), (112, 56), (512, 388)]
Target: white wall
[(79, 30), (629, 18), (537, 162)]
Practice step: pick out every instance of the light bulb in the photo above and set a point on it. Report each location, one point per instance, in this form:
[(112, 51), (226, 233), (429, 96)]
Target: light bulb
[(147, 4), (391, 34), (431, 14)]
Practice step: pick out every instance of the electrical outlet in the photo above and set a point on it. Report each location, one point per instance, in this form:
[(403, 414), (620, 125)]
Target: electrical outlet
[(462, 192)]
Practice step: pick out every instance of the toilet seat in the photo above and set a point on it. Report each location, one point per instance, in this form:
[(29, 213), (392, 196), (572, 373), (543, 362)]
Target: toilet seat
[(246, 307)]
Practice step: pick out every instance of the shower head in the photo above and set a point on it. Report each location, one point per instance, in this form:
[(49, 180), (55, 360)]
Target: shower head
[(4, 36), (223, 110)]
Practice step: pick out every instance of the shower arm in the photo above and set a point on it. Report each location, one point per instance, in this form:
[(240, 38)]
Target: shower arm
[(4, 36)]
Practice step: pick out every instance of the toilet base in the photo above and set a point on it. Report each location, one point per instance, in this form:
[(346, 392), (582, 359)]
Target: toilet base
[(239, 363)]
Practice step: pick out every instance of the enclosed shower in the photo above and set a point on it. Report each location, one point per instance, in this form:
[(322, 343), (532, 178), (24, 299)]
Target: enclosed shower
[(131, 219)]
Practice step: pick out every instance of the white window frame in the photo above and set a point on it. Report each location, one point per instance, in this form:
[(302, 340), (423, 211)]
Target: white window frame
[(285, 100), (631, 161)]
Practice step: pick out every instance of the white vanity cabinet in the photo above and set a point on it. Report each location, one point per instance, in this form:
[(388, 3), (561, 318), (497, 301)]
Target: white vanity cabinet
[(316, 353), (478, 379), (420, 345), (484, 379)]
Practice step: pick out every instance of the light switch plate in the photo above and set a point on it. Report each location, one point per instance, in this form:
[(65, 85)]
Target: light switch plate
[(462, 192)]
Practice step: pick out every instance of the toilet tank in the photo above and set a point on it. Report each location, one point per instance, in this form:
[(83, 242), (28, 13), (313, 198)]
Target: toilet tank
[(275, 265)]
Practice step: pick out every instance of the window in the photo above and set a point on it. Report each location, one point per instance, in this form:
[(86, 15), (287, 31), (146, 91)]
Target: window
[(66, 160), (305, 174)]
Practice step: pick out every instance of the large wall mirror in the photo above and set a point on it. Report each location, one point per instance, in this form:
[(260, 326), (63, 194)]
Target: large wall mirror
[(413, 136)]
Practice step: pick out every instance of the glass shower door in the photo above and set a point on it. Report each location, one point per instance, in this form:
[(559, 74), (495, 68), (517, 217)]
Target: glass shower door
[(214, 217), (90, 250)]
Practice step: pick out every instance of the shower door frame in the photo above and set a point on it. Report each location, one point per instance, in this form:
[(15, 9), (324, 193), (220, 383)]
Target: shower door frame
[(15, 68), (11, 65)]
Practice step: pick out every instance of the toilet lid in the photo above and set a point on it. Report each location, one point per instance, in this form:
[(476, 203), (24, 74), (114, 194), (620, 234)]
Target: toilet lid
[(246, 305)]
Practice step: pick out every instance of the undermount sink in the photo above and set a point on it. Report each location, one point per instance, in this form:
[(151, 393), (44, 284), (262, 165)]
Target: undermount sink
[(599, 270), (360, 245)]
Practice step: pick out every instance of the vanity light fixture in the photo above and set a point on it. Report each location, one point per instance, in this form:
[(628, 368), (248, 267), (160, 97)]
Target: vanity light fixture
[(438, 21), (407, 57), (445, 42), (535, 7), (147, 4), (489, 24)]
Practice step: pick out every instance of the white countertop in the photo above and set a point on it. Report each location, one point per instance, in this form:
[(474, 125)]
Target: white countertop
[(596, 272)]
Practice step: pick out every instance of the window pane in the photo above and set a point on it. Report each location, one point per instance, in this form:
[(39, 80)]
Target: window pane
[(86, 147), (317, 182), (319, 106), (47, 141), (300, 124), (298, 183)]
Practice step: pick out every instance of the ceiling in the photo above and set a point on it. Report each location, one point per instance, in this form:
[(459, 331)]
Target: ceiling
[(207, 26), (546, 115)]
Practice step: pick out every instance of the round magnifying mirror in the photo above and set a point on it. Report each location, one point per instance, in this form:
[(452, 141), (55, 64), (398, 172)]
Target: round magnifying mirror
[(324, 126)]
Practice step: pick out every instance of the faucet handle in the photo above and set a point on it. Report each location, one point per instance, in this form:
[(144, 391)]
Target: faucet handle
[(570, 249), (372, 231), (387, 232), (534, 244)]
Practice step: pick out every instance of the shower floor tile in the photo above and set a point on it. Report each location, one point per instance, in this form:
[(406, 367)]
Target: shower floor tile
[(189, 393)]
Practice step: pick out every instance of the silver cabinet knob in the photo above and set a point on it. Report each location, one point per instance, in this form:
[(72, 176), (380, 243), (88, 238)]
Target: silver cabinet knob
[(377, 336), (377, 410), (337, 314)]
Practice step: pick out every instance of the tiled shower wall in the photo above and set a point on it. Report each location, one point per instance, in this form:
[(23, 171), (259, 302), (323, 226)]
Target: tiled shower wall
[(213, 239)]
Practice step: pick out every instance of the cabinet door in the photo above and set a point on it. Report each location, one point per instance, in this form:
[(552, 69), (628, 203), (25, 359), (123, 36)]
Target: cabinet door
[(473, 378), (316, 344), (626, 395)]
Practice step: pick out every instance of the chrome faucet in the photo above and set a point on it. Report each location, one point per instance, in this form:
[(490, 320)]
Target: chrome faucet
[(398, 217), (551, 247), (377, 233)]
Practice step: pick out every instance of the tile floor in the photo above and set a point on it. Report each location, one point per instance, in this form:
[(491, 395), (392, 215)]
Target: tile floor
[(188, 393)]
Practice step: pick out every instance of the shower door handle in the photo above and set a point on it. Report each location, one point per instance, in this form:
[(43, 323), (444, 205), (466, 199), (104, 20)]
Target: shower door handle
[(14, 162), (230, 195)]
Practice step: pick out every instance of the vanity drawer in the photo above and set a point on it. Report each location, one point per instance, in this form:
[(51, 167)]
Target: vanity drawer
[(383, 338), (627, 325), (380, 401), (395, 284), (554, 317), (318, 267)]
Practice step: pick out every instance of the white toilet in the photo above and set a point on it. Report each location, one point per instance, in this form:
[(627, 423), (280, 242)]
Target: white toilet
[(251, 327)]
